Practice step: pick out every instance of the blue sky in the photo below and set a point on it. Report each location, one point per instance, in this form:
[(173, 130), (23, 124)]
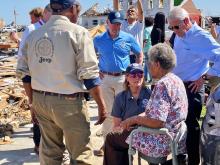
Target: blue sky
[(22, 7)]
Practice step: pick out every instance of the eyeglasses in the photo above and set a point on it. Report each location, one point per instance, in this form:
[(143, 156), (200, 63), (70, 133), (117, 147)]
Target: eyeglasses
[(177, 27), (138, 75)]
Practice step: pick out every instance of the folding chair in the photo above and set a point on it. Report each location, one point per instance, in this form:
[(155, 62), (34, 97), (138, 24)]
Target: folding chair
[(173, 145)]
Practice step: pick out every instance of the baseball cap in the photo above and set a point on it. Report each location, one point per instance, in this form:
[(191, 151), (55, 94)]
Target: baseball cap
[(61, 5), (115, 17), (135, 67)]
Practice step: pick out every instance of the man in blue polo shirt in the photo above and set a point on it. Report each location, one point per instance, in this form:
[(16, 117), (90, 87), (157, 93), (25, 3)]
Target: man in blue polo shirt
[(114, 47)]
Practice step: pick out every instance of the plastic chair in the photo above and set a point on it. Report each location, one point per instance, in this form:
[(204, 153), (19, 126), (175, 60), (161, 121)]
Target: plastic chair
[(173, 145)]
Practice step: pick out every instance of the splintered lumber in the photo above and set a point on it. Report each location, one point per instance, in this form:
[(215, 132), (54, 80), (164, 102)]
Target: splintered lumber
[(8, 74), (8, 45), (97, 30), (14, 107)]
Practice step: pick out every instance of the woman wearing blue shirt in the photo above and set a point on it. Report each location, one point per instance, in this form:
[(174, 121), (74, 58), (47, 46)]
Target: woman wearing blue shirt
[(128, 103)]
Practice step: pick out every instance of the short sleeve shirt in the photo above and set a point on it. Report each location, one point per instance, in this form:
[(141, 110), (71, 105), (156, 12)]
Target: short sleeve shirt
[(168, 103), (126, 106), (114, 53), (136, 29)]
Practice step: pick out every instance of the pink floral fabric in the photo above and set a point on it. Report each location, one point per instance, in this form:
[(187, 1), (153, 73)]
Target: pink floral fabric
[(168, 103)]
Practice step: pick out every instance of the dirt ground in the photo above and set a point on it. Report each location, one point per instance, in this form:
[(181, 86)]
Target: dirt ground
[(20, 151)]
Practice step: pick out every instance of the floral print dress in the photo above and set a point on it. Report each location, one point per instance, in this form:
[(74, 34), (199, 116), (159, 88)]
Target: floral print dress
[(168, 103)]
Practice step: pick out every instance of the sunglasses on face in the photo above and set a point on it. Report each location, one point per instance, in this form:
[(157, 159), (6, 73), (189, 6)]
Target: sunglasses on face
[(177, 27), (134, 75)]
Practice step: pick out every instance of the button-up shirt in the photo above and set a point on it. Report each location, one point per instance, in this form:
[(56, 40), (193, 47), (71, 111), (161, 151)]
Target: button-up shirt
[(168, 103), (26, 32), (125, 105), (194, 51), (59, 56), (114, 53)]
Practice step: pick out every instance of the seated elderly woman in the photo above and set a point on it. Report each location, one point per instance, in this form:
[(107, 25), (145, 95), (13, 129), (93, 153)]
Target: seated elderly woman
[(130, 102), (166, 108)]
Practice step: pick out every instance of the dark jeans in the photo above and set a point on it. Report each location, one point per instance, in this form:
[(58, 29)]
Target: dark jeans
[(195, 101), (36, 134), (116, 149)]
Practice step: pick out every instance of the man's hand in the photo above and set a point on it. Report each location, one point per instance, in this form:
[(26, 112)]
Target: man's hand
[(33, 116), (97, 95), (196, 85), (101, 75), (102, 115), (14, 37), (139, 58)]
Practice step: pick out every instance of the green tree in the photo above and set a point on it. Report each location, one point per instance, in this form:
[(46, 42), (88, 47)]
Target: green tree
[(177, 2)]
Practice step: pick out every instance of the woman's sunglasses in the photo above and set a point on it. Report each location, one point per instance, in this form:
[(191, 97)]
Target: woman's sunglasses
[(134, 75)]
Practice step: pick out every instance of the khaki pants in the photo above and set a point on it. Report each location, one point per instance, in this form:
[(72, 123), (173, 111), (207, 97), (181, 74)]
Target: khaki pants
[(63, 117), (111, 86)]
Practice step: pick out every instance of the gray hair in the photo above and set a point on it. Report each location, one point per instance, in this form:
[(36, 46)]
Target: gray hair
[(163, 54), (178, 13)]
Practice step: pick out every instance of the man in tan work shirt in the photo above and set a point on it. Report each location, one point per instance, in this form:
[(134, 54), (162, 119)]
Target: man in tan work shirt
[(61, 60)]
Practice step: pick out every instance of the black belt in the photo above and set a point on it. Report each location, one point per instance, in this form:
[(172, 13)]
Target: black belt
[(74, 95), (113, 73)]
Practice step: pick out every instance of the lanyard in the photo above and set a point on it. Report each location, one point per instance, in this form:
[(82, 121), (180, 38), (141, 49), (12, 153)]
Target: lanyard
[(40, 22)]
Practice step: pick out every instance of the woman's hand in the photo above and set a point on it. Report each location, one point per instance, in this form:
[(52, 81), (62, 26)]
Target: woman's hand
[(126, 124), (101, 75), (117, 129)]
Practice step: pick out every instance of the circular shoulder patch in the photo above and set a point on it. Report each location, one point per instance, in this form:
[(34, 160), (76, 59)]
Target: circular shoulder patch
[(117, 14), (44, 47)]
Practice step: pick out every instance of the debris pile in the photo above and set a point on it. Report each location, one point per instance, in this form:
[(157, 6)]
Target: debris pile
[(14, 109)]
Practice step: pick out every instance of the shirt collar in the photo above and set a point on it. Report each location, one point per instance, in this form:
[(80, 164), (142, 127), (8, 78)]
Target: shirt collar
[(58, 17), (109, 37), (141, 95), (191, 30), (132, 24)]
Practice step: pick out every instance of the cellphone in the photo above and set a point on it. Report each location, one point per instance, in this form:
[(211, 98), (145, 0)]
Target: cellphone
[(216, 20)]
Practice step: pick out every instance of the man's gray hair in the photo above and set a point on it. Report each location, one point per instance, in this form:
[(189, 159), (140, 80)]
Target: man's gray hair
[(163, 54), (178, 13)]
